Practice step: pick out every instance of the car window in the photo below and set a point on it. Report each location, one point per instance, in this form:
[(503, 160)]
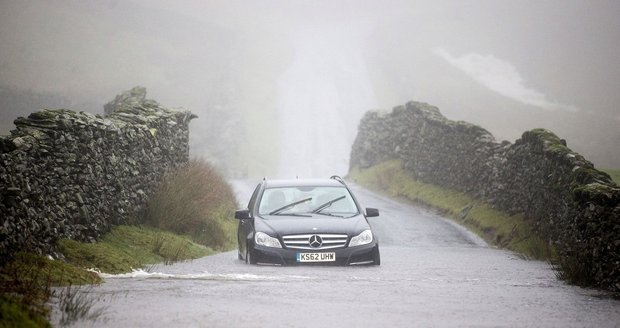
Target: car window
[(326, 200)]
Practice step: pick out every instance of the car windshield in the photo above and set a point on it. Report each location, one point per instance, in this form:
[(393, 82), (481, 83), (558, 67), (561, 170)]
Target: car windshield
[(307, 201)]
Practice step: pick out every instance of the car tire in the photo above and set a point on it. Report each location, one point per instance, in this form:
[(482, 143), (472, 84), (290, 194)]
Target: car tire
[(249, 259), (377, 257)]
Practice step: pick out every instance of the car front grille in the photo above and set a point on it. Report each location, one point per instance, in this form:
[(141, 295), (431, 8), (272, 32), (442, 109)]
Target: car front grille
[(315, 242)]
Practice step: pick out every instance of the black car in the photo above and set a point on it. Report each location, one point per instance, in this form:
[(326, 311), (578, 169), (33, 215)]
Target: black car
[(290, 222)]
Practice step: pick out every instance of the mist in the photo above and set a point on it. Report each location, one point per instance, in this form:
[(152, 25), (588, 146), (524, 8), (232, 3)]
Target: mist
[(321, 95), (280, 86)]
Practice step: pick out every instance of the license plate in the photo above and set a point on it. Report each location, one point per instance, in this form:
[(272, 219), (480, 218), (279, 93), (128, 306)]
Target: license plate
[(316, 257)]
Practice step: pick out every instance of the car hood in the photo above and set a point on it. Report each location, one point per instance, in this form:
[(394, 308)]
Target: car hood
[(278, 226)]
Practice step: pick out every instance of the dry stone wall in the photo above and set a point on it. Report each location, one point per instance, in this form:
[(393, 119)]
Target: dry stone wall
[(73, 175), (569, 202)]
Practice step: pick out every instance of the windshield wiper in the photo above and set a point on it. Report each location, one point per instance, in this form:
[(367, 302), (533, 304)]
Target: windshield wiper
[(328, 214), (328, 204), (292, 214), (289, 206)]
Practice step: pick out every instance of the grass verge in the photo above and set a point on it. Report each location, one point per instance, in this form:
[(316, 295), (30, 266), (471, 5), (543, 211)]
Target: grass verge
[(26, 285), (131, 247), (512, 232), (27, 281)]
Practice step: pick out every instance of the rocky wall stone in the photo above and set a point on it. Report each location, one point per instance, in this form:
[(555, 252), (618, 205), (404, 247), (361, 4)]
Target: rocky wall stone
[(568, 202), (73, 175)]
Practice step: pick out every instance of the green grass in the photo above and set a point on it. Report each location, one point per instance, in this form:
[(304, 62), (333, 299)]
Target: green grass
[(131, 247), (498, 228), (26, 281), (25, 287), (615, 174), (14, 314)]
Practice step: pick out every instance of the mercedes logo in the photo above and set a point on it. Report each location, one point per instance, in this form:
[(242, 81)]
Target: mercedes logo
[(315, 241)]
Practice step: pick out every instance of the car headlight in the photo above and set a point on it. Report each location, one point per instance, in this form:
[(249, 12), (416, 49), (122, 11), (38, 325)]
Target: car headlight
[(362, 239), (264, 239)]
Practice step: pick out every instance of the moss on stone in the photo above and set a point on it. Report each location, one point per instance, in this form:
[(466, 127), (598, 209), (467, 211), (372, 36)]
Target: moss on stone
[(45, 114), (614, 174), (559, 149), (603, 194), (545, 135), (588, 174), (549, 141)]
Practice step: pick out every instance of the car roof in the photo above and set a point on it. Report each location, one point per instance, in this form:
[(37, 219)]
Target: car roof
[(303, 183)]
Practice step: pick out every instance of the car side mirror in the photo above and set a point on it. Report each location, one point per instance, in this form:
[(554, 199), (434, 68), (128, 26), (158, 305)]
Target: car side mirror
[(371, 212), (242, 215)]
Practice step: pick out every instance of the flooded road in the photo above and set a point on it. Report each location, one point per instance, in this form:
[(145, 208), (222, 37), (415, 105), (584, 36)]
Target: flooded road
[(433, 273)]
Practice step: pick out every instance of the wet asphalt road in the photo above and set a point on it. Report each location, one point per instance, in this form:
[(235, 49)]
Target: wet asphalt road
[(433, 274)]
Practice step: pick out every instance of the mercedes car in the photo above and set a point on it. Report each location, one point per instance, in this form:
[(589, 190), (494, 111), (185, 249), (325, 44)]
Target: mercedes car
[(305, 222)]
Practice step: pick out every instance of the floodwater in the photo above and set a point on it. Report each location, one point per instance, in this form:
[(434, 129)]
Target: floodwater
[(434, 273)]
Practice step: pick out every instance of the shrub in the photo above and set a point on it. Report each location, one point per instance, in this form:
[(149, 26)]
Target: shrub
[(195, 200)]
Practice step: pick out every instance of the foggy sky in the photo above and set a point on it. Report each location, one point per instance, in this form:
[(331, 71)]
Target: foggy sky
[(508, 66)]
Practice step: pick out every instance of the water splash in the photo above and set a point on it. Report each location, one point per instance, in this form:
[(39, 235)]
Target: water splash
[(141, 274)]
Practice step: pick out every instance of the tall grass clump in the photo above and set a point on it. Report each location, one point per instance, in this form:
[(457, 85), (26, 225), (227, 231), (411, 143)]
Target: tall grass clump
[(75, 304), (195, 200)]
